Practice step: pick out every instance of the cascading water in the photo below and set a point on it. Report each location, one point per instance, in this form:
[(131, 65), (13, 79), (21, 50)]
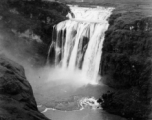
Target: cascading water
[(78, 41)]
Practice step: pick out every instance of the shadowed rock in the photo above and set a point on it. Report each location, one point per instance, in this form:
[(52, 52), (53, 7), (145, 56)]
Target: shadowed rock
[(16, 96)]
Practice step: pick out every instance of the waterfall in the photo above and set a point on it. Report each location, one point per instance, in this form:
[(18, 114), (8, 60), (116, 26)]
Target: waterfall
[(78, 41)]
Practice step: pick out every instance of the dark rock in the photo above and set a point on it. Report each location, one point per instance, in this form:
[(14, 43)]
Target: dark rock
[(100, 101), (127, 103), (126, 64), (16, 96)]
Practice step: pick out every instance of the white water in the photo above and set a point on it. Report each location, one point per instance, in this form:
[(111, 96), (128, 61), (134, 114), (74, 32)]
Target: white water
[(79, 40), (91, 102)]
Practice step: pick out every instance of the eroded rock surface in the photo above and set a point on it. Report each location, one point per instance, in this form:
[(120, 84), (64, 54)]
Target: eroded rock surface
[(16, 96)]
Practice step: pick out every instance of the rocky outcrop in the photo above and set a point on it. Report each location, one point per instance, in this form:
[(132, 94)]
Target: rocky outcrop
[(126, 64), (16, 96)]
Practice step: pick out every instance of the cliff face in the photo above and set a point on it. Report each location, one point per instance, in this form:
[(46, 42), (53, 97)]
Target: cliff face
[(127, 51), (16, 96), (126, 63)]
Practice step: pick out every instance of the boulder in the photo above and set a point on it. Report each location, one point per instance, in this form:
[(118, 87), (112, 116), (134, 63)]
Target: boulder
[(16, 96)]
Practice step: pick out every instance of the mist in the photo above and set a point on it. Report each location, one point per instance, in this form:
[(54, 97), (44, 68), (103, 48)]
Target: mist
[(53, 87), (48, 82)]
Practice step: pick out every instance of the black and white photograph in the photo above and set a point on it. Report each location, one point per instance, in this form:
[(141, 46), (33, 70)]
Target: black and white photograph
[(75, 59)]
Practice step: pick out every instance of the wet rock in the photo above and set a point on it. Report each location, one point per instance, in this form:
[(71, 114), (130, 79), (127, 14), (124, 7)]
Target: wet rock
[(16, 96)]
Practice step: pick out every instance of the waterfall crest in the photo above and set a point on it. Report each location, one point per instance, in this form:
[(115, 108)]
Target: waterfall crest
[(78, 41)]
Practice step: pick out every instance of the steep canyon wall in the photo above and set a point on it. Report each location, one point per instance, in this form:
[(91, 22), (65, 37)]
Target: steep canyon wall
[(126, 63)]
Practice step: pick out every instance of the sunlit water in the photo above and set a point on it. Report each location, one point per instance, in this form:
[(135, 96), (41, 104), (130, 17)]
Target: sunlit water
[(69, 91)]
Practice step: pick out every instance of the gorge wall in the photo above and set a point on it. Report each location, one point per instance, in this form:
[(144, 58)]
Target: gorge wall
[(16, 95), (126, 62)]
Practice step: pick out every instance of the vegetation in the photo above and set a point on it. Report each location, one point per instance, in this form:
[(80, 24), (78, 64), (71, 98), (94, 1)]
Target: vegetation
[(38, 17), (41, 14), (126, 63)]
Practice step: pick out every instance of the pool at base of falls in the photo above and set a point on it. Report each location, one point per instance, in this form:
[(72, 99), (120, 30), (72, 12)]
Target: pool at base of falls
[(89, 109)]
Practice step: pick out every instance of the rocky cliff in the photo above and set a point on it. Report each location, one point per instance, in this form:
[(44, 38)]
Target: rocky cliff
[(16, 96), (126, 62)]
